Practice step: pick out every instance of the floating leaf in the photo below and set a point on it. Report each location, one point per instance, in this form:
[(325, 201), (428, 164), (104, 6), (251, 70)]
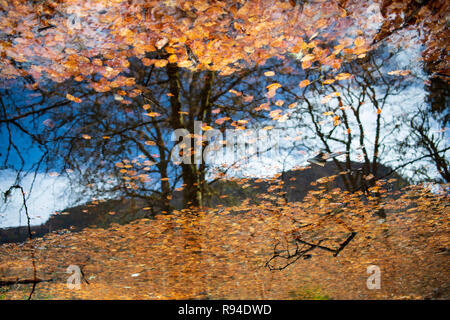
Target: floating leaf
[(273, 86), (304, 83), (72, 98), (153, 114), (359, 41), (161, 63), (343, 76)]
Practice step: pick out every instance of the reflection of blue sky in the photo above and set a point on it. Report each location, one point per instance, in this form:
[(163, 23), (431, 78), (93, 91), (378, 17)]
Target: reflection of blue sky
[(400, 106), (48, 195)]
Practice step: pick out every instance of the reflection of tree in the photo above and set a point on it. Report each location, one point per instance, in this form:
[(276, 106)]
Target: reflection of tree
[(123, 146), (439, 98), (430, 141), (340, 121), (357, 117)]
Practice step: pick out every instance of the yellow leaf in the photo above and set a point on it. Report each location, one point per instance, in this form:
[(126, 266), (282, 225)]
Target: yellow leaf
[(185, 63), (173, 58), (359, 41), (275, 113), (222, 120), (307, 58), (153, 114), (206, 127), (304, 83), (273, 86), (161, 63), (146, 61), (161, 43), (279, 103), (343, 76), (72, 98)]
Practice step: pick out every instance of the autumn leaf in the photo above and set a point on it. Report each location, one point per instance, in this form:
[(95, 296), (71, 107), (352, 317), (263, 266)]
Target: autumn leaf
[(343, 76), (273, 86), (307, 58), (279, 103), (237, 93), (153, 114), (275, 113), (72, 98), (359, 41), (205, 127), (328, 81), (146, 61), (161, 43), (161, 63), (222, 120), (303, 83), (172, 58), (336, 121), (399, 73)]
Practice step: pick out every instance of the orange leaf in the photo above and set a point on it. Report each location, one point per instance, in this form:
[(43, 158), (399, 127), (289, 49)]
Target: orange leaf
[(304, 83), (152, 114), (307, 58), (343, 76), (161, 63), (72, 98), (359, 41), (273, 86)]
